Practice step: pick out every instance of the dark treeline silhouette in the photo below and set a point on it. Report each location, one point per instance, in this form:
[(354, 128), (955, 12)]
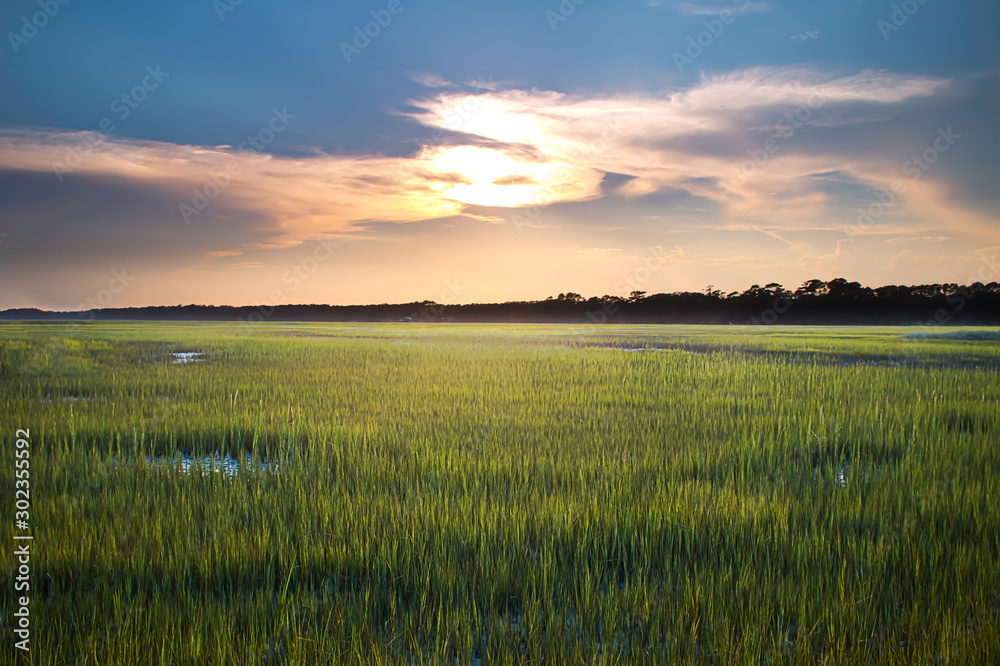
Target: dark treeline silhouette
[(815, 302)]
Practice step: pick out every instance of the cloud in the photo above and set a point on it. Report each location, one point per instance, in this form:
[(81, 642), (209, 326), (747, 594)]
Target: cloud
[(806, 36), (298, 197), (486, 83), (302, 196), (917, 239), (429, 79), (515, 180), (700, 9), (512, 148), (502, 148), (602, 252), (698, 140)]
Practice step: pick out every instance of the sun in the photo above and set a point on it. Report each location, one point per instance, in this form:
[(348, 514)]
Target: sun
[(489, 177)]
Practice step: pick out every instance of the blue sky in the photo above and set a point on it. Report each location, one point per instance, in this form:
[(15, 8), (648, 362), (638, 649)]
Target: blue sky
[(518, 149)]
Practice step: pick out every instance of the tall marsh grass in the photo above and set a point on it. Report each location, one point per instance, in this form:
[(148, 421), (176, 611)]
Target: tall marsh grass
[(508, 494)]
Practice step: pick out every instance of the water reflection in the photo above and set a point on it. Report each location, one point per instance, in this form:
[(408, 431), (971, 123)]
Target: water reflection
[(225, 465)]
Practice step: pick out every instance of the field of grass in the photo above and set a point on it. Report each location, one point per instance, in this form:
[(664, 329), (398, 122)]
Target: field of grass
[(505, 494)]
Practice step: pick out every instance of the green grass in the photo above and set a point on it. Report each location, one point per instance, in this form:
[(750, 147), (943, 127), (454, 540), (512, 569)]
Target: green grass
[(509, 494)]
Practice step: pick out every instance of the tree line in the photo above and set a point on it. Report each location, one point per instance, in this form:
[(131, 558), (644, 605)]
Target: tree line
[(837, 302)]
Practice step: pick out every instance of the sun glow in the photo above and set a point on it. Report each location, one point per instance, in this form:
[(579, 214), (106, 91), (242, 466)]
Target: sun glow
[(488, 177)]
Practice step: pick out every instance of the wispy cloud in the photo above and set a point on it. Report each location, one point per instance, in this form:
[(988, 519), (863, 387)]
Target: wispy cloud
[(429, 79), (702, 9), (484, 84), (601, 252), (806, 36), (693, 140), (302, 197), (917, 239)]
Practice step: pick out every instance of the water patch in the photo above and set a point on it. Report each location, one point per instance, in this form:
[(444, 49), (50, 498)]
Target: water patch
[(187, 357), (653, 348), (872, 362), (70, 399), (840, 477), (844, 474), (224, 465), (980, 336)]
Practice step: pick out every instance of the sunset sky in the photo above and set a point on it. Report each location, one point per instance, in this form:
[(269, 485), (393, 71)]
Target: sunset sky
[(263, 152)]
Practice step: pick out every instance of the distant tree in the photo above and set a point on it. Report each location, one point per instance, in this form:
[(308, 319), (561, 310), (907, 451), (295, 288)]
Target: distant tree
[(811, 288), (776, 290), (841, 288), (927, 290), (637, 296), (893, 293)]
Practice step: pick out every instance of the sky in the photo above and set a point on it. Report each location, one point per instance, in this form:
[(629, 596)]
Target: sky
[(250, 152)]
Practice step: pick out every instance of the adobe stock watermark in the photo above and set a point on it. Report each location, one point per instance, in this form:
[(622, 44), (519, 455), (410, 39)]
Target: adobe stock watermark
[(23, 541), (981, 619), (583, 158), (363, 36), (914, 169), (900, 16), (926, 500), (769, 317), (31, 24), (223, 7), (293, 279), (529, 215), (431, 312), (103, 298), (631, 282), (562, 12), (220, 180), (781, 133), (714, 27), (989, 269), (456, 118), (121, 107)]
